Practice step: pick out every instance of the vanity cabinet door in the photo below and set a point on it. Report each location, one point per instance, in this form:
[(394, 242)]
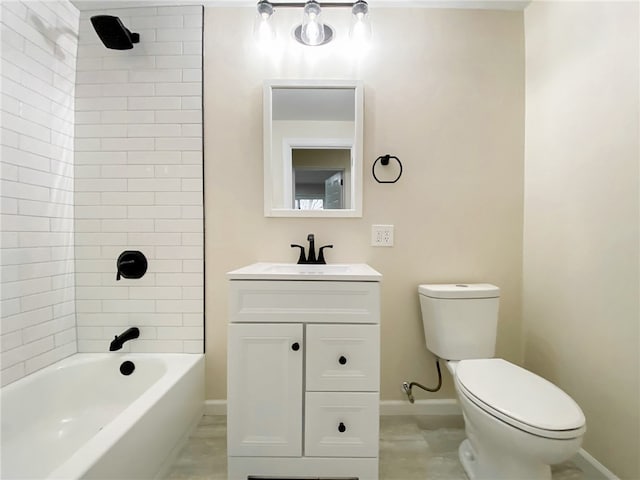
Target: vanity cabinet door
[(264, 398)]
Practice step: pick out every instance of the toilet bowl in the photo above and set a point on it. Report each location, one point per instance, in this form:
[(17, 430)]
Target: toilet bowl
[(517, 424)]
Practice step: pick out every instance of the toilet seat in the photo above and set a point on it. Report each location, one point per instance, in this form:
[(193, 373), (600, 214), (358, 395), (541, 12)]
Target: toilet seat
[(520, 398)]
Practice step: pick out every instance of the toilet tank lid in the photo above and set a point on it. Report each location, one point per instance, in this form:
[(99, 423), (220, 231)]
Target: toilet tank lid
[(460, 290)]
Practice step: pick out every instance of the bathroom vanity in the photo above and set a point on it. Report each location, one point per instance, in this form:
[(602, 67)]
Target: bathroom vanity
[(303, 371)]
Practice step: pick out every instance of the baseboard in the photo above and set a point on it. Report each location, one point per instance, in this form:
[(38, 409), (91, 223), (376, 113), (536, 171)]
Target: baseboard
[(447, 406), (585, 462)]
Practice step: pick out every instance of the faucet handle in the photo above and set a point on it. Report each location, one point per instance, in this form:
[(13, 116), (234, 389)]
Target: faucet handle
[(321, 259), (301, 258)]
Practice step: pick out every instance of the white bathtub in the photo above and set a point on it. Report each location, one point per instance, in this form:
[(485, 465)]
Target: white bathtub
[(82, 418)]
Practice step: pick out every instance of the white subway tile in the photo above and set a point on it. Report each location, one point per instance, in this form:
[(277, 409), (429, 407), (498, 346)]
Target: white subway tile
[(102, 293), (101, 77), (127, 144), (162, 21), (191, 103), (87, 225), (194, 158), (179, 171), (101, 103), (100, 185), (127, 117), (10, 307), (154, 185), (65, 337), (157, 346), (180, 333), (194, 130), (180, 279), (162, 239), (100, 131), (14, 322), (179, 198), (155, 130), (193, 293), (192, 74), (179, 61), (11, 340), (166, 266), (137, 225), (156, 319), (129, 62), (154, 103), (179, 252), (153, 211), (179, 306), (47, 358), (195, 266), (66, 310), (180, 10), (191, 184), (179, 116), (98, 158), (153, 157), (193, 239), (128, 305), (127, 171), (11, 374), (179, 34), (131, 199), (21, 223), (157, 76), (178, 143), (193, 346), (25, 287), (178, 225), (142, 293), (100, 211)]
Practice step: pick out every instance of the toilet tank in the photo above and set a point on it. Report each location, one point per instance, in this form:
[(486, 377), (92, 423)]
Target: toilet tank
[(460, 320)]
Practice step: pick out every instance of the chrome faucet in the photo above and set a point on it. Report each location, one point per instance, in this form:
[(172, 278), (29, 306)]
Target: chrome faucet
[(311, 259), (119, 340)]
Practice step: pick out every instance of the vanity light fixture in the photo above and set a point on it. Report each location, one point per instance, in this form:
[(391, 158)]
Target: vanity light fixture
[(312, 31)]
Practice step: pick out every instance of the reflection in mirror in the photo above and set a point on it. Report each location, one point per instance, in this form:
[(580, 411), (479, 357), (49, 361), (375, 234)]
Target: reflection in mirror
[(321, 178), (312, 148)]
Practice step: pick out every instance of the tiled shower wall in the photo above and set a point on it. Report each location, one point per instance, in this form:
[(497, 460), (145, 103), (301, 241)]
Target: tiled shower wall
[(39, 41), (138, 181)]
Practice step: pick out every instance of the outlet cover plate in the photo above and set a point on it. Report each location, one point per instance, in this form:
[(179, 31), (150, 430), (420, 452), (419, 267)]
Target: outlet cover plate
[(382, 235)]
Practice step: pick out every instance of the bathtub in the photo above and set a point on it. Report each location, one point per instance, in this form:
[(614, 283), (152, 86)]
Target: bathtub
[(83, 418)]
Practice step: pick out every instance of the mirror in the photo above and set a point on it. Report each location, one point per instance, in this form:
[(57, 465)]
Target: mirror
[(313, 148)]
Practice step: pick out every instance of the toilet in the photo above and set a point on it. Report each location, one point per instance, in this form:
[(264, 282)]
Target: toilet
[(517, 424)]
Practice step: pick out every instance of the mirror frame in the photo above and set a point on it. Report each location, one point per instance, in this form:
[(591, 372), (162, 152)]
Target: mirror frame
[(356, 149)]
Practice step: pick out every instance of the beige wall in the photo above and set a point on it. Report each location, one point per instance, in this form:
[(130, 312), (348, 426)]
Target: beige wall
[(444, 91), (580, 275)]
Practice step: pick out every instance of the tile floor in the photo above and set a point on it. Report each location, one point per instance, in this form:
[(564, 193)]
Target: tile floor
[(411, 448)]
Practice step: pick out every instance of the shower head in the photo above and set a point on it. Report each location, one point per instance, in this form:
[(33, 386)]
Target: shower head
[(113, 33)]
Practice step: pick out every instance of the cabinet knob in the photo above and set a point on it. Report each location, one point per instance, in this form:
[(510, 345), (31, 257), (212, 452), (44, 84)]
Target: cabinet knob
[(342, 360), (342, 428), (295, 347)]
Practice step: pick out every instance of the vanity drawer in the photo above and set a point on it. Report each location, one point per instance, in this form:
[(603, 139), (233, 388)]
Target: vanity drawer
[(343, 358), (341, 424), (280, 301)]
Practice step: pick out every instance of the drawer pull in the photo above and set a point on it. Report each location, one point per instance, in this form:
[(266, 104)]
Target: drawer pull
[(342, 428), (295, 347), (342, 360)]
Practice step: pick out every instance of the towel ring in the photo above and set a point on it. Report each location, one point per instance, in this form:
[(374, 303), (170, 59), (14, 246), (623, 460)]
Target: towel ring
[(384, 160)]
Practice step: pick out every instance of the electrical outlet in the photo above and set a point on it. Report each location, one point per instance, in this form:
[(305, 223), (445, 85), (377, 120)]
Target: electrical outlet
[(382, 235)]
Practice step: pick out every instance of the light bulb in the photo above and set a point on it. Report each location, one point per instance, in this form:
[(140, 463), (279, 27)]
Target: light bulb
[(360, 30), (312, 32), (262, 29)]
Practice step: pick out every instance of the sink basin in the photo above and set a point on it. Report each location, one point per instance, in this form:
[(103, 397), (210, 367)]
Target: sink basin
[(291, 271)]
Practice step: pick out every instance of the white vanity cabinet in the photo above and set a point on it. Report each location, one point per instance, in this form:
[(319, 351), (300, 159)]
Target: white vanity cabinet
[(303, 377)]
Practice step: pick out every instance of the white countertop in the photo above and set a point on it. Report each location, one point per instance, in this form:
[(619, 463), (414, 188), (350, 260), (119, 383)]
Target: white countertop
[(345, 272)]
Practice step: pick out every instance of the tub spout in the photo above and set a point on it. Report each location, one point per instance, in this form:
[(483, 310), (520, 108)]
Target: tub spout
[(119, 340)]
